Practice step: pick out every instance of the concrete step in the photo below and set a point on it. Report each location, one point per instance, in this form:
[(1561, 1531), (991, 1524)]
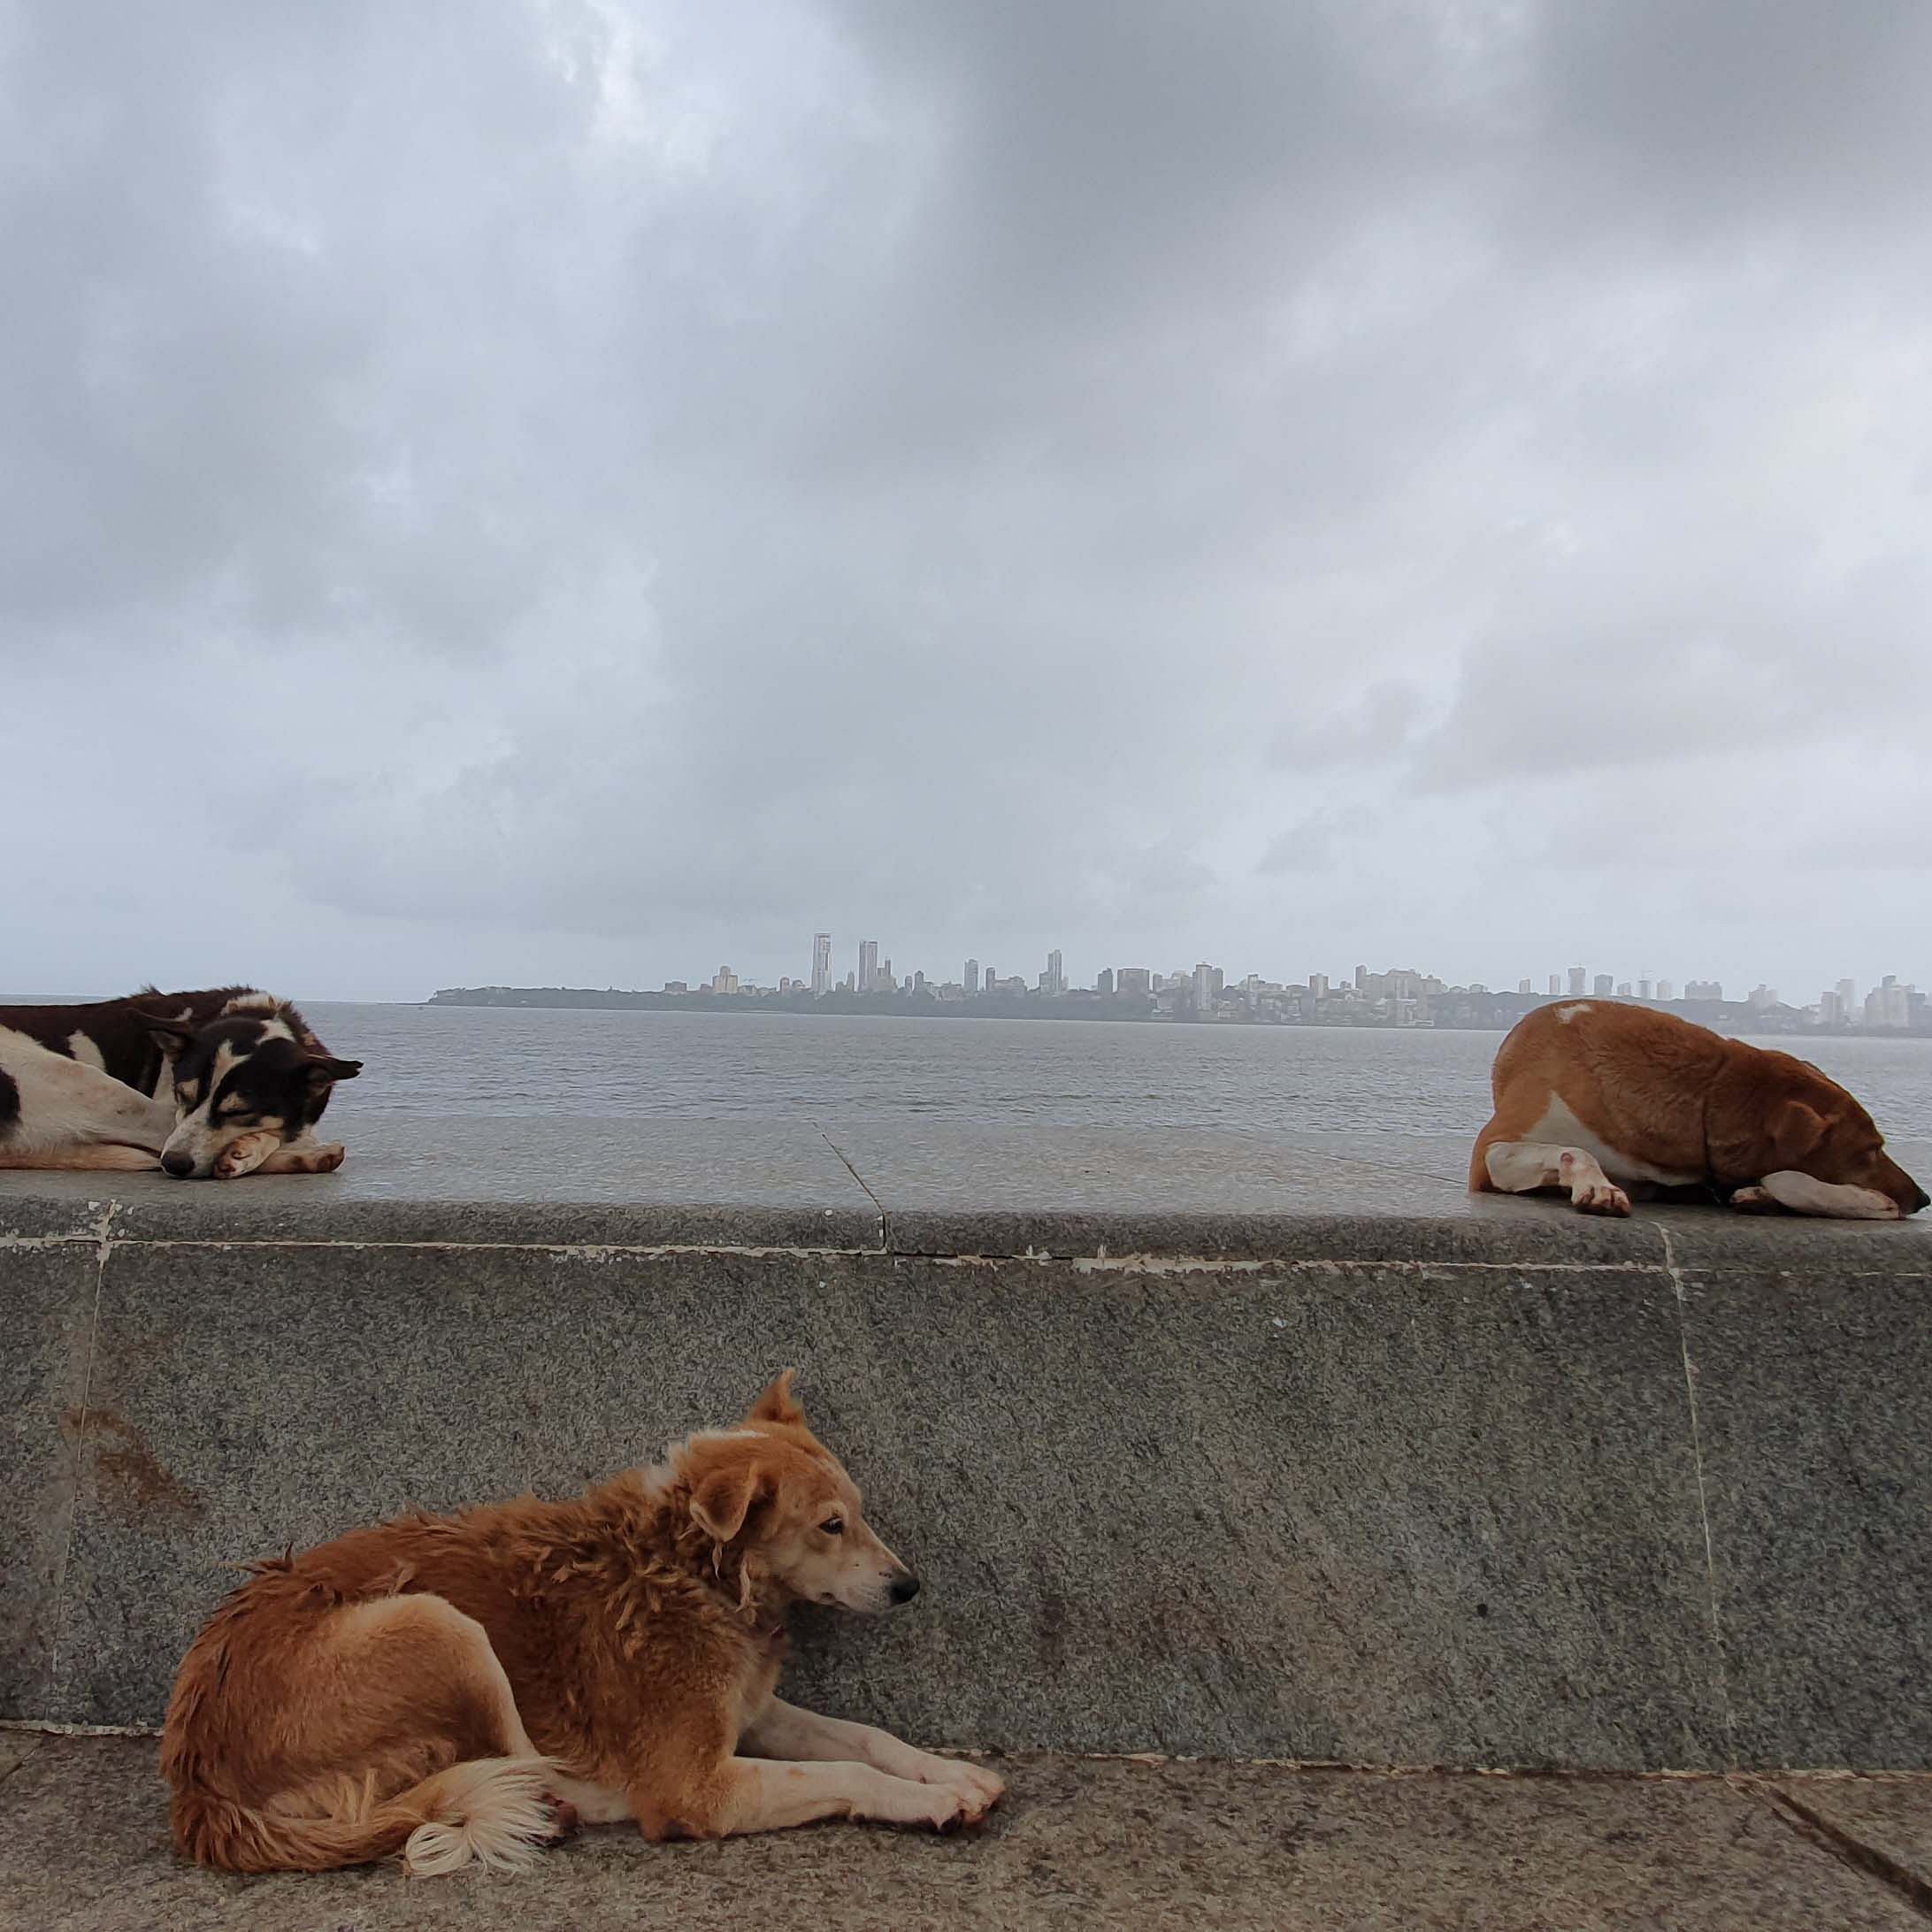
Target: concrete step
[(1489, 1484), (1079, 1843)]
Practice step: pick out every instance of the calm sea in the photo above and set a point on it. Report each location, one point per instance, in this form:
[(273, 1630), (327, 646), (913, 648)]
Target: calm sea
[(495, 1061)]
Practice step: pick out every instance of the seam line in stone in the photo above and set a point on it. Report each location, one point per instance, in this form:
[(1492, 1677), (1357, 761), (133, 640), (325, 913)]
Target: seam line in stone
[(1703, 1508), (1816, 1829)]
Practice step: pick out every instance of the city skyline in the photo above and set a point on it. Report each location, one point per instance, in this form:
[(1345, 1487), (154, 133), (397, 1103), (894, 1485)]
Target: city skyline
[(1406, 993)]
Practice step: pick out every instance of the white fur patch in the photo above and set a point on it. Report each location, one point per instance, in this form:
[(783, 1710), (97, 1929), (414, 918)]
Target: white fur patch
[(82, 1047), (66, 1103), (252, 1002), (1561, 1127), (1566, 1014)]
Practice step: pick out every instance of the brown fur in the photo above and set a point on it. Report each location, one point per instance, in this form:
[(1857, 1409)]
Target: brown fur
[(1664, 1094), (637, 1632)]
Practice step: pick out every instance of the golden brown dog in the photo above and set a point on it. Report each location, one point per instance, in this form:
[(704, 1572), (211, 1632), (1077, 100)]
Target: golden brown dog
[(457, 1687), (1589, 1093)]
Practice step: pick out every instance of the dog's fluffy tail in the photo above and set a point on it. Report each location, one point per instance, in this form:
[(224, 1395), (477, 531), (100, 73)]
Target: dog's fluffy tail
[(494, 1811)]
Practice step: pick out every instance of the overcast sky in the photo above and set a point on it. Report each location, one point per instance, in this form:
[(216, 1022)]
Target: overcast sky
[(585, 491)]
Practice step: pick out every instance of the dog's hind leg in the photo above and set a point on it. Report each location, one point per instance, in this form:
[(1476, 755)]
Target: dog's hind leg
[(102, 1157), (420, 1667), (1522, 1166)]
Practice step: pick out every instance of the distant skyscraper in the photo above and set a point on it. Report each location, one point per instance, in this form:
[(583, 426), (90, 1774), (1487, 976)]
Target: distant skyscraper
[(1318, 985), (1643, 988), (1105, 982), (821, 964), (1623, 989), (886, 978), (1848, 996), (987, 983), (1666, 989), (1056, 977), (1133, 979), (1576, 979), (1361, 979), (868, 964), (1602, 986), (1556, 984), (1523, 986), (972, 980)]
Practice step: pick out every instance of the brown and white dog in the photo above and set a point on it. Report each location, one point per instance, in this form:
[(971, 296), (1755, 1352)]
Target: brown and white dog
[(464, 1688), (223, 1082), (1597, 1098)]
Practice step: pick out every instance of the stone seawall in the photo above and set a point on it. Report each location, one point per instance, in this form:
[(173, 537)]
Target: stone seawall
[(1474, 1483)]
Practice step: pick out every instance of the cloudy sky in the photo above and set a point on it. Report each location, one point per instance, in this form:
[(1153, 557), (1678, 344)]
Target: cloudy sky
[(582, 491)]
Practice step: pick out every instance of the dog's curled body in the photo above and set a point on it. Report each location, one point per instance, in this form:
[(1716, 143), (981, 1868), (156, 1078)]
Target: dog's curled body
[(451, 1683)]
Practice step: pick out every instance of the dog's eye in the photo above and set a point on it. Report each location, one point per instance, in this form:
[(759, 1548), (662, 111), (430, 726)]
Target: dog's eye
[(834, 1526)]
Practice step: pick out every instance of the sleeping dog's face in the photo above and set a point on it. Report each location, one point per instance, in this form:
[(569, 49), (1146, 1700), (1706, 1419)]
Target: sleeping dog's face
[(240, 1077)]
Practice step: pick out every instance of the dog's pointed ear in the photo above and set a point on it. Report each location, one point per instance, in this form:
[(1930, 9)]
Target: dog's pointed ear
[(723, 1500), (777, 1403), (167, 1032), (323, 1069), (1795, 1129)]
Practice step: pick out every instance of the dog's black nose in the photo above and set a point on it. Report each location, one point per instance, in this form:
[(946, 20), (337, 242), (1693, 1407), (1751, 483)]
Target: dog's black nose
[(1925, 1200), (178, 1164), (905, 1588)]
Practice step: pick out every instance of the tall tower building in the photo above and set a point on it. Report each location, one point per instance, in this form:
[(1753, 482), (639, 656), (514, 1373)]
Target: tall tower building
[(821, 964), (1576, 979), (970, 980), (1056, 977), (1556, 986), (868, 964), (1601, 986)]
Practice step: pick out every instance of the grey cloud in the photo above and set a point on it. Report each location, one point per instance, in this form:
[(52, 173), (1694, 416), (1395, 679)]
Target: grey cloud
[(588, 485)]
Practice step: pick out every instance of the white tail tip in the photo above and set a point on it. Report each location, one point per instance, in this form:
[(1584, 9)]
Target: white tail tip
[(498, 1815)]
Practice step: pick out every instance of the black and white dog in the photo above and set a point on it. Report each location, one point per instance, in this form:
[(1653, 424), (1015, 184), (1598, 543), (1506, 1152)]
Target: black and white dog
[(222, 1083)]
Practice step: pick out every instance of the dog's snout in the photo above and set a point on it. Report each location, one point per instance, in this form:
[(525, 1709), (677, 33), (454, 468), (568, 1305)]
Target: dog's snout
[(905, 1588), (1923, 1201), (178, 1164)]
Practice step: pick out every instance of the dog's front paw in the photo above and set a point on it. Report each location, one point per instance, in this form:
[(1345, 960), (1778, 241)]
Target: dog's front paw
[(323, 1160), (977, 1785), (952, 1808), (243, 1155), (1754, 1200)]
